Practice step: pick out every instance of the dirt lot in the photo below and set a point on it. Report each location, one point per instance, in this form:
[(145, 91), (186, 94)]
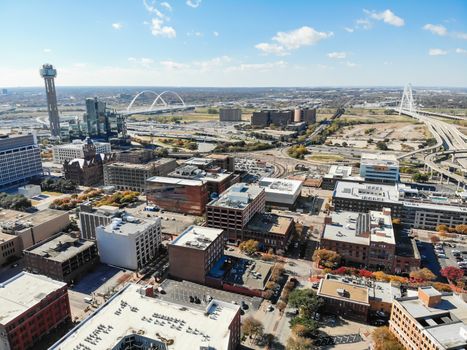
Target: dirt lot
[(398, 131)]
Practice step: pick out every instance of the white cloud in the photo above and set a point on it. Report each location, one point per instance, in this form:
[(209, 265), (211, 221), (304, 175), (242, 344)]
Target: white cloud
[(80, 65), (461, 51), (351, 64), (272, 49), (171, 65), (215, 33), (363, 23), (215, 62), (47, 50), (192, 33), (143, 61), (117, 26), (166, 5), (337, 55), (193, 3), (293, 40), (159, 29), (437, 52), (257, 66), (436, 29), (387, 16), (349, 30), (461, 35)]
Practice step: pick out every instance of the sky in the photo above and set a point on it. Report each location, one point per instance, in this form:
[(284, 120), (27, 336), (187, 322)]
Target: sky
[(234, 43)]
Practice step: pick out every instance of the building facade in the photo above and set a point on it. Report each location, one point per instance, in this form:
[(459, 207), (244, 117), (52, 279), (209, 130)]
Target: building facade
[(20, 160), (102, 122), (271, 230), (69, 151), (194, 252), (62, 257), (230, 115), (32, 306), (282, 193), (129, 242), (234, 208), (381, 168), (10, 248), (178, 195), (90, 218), (130, 176)]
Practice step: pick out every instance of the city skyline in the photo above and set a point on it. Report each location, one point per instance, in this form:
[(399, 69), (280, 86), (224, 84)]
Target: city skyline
[(192, 43)]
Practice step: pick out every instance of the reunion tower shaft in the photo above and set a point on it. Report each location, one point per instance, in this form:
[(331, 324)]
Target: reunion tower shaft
[(48, 72)]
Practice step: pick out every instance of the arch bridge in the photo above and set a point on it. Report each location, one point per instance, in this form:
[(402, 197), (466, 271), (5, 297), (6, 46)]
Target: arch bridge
[(159, 104)]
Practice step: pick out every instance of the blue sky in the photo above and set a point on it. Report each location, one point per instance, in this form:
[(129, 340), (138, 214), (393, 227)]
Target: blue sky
[(235, 42)]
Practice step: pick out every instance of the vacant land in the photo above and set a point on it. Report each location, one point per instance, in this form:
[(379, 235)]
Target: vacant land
[(325, 157)]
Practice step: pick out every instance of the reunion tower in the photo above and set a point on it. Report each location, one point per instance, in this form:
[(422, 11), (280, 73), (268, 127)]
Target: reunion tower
[(48, 72)]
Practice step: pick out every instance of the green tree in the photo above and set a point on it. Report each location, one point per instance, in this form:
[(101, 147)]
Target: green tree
[(381, 145), (306, 301), (249, 247), (420, 177)]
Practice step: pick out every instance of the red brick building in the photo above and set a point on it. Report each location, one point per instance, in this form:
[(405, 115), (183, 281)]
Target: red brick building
[(31, 306), (178, 195)]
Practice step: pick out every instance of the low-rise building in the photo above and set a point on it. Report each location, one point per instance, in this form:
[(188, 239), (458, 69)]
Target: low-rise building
[(31, 307), (427, 216), (223, 161), (133, 318), (271, 230), (69, 151), (62, 257), (130, 176), (381, 168), (234, 208), (33, 228), (217, 181), (10, 248), (339, 173), (129, 242), (194, 252), (178, 195), (363, 197), (136, 156), (281, 193), (431, 320), (363, 239), (90, 218)]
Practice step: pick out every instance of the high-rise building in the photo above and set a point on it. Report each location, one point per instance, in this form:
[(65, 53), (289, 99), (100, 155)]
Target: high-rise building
[(90, 218), (230, 115), (48, 72), (102, 122), (382, 168), (20, 160)]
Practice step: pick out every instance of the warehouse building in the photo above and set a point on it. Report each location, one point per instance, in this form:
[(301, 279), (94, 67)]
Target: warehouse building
[(281, 193)]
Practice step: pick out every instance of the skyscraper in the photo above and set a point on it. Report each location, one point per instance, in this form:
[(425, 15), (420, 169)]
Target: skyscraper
[(48, 72), (103, 123)]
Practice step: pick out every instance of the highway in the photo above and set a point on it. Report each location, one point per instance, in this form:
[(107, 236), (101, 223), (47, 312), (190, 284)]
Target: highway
[(448, 137)]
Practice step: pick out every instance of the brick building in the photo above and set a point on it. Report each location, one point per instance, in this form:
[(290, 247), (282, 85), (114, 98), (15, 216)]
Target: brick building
[(271, 230), (178, 195), (31, 306), (194, 252), (62, 257)]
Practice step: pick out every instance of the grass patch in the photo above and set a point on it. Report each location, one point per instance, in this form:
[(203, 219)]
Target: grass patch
[(325, 157)]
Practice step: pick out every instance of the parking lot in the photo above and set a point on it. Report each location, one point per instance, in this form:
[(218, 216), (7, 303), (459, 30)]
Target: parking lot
[(450, 259), (338, 339), (101, 279), (180, 292)]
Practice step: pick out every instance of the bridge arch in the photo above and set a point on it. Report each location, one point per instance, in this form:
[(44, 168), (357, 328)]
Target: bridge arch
[(159, 97), (138, 95)]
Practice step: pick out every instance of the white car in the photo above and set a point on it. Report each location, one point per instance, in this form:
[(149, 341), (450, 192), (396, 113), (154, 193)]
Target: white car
[(443, 256)]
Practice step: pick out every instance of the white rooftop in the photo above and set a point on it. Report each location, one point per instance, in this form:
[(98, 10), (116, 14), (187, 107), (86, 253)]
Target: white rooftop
[(130, 225), (78, 144), (22, 292), (379, 159), (237, 196), (198, 237), (340, 171), (282, 186), (344, 228), (129, 312), (175, 181), (366, 191)]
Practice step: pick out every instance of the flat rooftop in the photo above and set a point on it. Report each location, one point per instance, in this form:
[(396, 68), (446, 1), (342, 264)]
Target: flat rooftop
[(269, 223), (9, 217), (130, 225), (61, 247), (5, 237), (280, 186), (366, 191), (340, 171), (344, 228), (197, 237), (199, 161), (237, 196), (22, 292), (146, 166), (174, 181), (176, 326), (379, 159), (435, 207), (194, 173), (334, 288), (77, 144)]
